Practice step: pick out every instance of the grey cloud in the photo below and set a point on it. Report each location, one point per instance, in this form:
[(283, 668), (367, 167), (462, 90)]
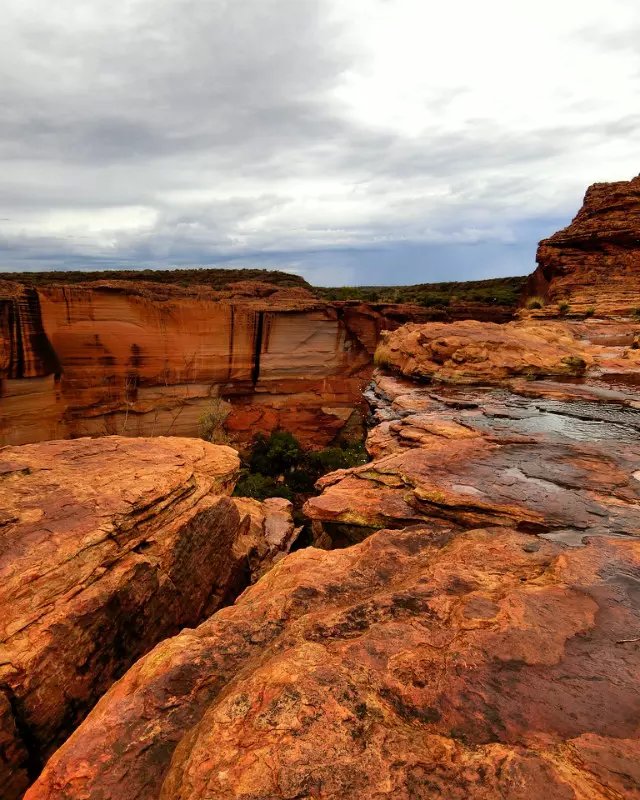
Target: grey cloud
[(107, 106)]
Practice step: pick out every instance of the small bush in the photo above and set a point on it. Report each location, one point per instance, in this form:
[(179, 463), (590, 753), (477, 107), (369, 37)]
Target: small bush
[(635, 313), (278, 467), (589, 312), (260, 487), (576, 364), (211, 423), (534, 303), (275, 454), (563, 307)]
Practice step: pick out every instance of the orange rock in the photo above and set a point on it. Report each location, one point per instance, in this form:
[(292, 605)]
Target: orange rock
[(481, 352), (478, 456), (147, 359), (269, 536), (106, 547), (414, 665), (594, 263)]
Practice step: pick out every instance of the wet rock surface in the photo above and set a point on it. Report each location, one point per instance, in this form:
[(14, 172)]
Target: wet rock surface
[(490, 456), (106, 547), (414, 665)]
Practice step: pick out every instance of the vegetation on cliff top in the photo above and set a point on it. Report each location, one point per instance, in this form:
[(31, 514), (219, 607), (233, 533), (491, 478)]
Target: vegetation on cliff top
[(215, 278), (495, 291)]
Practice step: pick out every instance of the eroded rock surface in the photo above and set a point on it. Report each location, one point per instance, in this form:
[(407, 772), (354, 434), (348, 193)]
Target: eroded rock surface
[(472, 352), (594, 263), (146, 359), (106, 547), (414, 665), (490, 456), (269, 535)]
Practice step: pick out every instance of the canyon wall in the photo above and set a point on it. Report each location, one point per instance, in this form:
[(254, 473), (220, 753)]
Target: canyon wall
[(594, 264), (145, 359), (484, 644), (148, 359)]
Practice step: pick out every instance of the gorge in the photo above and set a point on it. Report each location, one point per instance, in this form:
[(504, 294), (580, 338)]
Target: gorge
[(466, 624), (143, 358)]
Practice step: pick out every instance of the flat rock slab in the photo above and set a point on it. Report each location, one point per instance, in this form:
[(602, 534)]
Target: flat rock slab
[(415, 665), (106, 547), (488, 456)]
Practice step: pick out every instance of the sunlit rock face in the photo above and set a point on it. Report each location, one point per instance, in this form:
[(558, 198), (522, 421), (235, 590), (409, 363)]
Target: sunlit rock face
[(106, 547), (146, 360), (594, 263), (415, 665)]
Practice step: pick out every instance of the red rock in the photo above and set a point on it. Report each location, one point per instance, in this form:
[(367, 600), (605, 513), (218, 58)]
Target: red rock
[(106, 547), (477, 352), (488, 664), (270, 534), (484, 353), (144, 359), (594, 263)]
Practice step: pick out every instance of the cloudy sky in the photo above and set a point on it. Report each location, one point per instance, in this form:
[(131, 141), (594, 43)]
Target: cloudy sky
[(351, 141)]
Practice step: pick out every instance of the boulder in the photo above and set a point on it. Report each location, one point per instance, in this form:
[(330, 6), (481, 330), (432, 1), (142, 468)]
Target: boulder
[(415, 665), (107, 546)]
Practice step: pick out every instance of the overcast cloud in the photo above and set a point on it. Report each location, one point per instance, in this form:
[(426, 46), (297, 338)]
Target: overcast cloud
[(351, 141)]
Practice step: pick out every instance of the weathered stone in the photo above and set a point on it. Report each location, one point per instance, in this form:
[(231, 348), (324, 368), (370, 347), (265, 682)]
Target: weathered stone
[(410, 666), (593, 265), (106, 547), (538, 464), (270, 534)]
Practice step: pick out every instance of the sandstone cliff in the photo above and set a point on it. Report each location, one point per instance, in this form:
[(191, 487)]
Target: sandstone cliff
[(138, 358), (594, 263), (106, 547), (146, 359)]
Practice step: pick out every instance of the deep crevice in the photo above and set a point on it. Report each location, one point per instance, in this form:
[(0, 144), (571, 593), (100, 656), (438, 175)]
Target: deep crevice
[(257, 352), (28, 739)]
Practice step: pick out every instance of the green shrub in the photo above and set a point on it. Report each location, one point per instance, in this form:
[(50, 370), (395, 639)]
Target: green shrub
[(563, 307), (278, 467), (636, 313), (260, 487), (589, 312), (275, 454), (534, 303)]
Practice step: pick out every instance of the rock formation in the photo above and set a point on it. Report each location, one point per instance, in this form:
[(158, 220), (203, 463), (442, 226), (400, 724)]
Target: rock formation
[(468, 624), (533, 454), (106, 547), (484, 645), (594, 263), (147, 359), (414, 665)]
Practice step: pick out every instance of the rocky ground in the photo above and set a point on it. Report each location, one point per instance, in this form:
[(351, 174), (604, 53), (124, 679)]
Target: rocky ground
[(107, 547)]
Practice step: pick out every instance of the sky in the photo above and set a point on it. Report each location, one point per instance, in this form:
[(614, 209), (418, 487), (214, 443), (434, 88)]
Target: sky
[(348, 141)]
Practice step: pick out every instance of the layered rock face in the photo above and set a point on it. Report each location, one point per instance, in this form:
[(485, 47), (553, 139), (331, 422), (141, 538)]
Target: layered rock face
[(594, 263), (534, 454), (106, 547), (415, 665), (146, 360)]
